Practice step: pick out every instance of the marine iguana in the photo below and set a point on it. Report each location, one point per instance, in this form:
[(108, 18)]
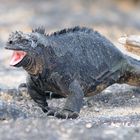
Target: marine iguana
[(74, 63)]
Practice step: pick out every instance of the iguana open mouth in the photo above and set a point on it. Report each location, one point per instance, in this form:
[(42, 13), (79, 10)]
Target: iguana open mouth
[(17, 57)]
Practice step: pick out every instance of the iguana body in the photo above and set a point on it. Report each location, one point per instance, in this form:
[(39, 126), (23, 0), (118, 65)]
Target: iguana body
[(73, 63)]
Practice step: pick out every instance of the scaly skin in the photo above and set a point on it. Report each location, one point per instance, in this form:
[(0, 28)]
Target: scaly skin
[(73, 63)]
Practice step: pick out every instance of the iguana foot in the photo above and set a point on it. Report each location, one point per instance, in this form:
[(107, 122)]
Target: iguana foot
[(63, 114), (49, 110)]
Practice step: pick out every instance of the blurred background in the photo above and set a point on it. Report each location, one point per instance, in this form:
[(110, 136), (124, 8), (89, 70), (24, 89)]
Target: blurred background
[(113, 18)]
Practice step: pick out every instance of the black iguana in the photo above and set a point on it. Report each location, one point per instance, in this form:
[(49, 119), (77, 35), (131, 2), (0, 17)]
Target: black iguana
[(73, 63)]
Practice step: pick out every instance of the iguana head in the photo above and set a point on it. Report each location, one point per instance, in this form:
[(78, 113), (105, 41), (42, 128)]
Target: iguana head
[(25, 48)]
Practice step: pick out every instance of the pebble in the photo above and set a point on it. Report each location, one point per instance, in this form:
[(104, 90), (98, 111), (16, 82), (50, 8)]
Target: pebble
[(96, 109), (88, 125)]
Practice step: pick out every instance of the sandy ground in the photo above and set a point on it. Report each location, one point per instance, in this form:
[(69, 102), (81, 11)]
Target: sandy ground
[(115, 113)]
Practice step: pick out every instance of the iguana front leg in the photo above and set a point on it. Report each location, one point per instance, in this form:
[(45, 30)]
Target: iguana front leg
[(38, 97), (73, 104)]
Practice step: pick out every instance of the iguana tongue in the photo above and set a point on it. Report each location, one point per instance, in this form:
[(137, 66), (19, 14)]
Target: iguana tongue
[(17, 57)]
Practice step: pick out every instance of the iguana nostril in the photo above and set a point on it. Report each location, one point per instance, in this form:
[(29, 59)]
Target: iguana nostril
[(10, 42)]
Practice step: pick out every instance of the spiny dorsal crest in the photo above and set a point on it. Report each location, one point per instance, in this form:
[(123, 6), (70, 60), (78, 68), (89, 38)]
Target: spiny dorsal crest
[(40, 30), (17, 35), (72, 30)]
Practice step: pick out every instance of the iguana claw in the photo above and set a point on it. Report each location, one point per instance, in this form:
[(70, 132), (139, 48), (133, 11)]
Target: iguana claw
[(63, 114)]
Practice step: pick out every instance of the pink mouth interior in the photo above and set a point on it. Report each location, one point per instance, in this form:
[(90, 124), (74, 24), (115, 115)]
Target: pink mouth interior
[(17, 57)]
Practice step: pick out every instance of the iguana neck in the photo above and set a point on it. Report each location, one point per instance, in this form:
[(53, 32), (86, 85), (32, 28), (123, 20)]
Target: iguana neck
[(33, 66)]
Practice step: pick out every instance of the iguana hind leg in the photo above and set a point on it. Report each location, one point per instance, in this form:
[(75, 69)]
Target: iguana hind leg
[(132, 72)]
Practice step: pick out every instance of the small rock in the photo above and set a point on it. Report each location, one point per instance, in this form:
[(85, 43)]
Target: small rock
[(133, 96), (96, 109), (88, 125)]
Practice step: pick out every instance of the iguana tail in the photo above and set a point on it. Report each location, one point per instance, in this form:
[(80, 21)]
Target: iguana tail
[(132, 71)]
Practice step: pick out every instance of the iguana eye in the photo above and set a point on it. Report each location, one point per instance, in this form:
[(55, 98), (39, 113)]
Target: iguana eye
[(24, 41)]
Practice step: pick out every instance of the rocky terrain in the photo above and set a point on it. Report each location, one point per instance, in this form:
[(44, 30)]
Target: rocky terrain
[(113, 114)]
